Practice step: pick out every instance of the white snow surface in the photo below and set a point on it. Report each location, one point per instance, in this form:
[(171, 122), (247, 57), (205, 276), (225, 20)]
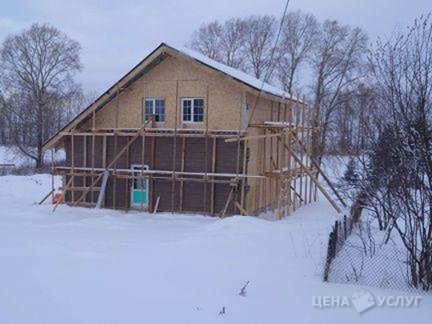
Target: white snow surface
[(82, 265), (240, 75)]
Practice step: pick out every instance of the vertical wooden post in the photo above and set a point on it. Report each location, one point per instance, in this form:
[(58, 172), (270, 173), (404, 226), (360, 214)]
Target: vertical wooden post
[(173, 178), (206, 112), (271, 163), (264, 158), (212, 197), (243, 101), (152, 163), (93, 151), (278, 179), (84, 184), (142, 170), (182, 170), (294, 132), (244, 171), (143, 119), (73, 164), (310, 138), (258, 171), (104, 161), (301, 150), (287, 137)]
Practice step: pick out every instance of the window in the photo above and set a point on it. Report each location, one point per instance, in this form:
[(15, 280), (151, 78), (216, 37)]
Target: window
[(193, 110), (155, 107)]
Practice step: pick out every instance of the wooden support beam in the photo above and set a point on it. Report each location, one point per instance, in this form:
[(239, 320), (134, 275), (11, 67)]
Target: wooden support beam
[(242, 210), (323, 191), (46, 197), (201, 174), (79, 188), (247, 138), (160, 133), (156, 205), (63, 193), (227, 203)]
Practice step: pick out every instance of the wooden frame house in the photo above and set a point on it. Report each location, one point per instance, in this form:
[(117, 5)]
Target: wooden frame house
[(183, 133)]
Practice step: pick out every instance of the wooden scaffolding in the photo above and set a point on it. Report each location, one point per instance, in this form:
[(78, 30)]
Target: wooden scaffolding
[(285, 177)]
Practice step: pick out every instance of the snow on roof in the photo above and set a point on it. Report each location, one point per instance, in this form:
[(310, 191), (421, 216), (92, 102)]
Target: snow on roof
[(235, 73)]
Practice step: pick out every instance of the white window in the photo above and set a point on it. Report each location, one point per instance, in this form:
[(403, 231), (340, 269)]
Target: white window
[(193, 110), (155, 107)]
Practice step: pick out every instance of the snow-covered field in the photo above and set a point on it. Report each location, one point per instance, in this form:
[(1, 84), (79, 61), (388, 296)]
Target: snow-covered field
[(100, 266)]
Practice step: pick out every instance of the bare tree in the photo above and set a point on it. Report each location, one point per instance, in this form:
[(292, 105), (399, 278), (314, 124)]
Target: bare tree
[(208, 40), (352, 120), (394, 177), (232, 43), (299, 35), (338, 62), (259, 42), (37, 68), (221, 42), (403, 71)]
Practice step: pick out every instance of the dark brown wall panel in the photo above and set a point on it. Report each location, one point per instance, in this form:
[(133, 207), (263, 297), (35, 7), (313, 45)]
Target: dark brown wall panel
[(196, 195)]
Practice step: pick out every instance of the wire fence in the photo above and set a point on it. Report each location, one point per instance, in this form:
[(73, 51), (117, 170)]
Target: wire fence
[(359, 253), (337, 237)]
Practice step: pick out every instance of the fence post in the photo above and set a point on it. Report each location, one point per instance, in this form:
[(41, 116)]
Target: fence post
[(330, 255), (336, 240), (345, 228)]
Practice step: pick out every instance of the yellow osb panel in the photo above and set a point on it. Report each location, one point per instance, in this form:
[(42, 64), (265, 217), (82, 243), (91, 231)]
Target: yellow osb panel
[(223, 106)]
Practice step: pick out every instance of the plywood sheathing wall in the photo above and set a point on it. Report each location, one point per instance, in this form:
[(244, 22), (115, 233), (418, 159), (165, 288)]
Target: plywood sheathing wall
[(161, 82)]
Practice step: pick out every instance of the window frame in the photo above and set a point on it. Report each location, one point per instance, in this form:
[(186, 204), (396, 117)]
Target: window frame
[(192, 99), (153, 100)]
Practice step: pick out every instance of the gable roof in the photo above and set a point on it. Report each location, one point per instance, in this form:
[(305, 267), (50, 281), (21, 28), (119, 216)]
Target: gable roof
[(154, 58)]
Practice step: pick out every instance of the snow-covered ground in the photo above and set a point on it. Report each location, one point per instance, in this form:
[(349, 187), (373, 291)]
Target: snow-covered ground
[(100, 266)]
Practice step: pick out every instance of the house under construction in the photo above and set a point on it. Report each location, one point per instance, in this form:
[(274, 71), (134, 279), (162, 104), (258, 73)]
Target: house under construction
[(183, 133)]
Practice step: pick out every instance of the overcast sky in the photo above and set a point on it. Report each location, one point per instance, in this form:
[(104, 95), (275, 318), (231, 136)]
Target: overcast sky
[(115, 35)]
